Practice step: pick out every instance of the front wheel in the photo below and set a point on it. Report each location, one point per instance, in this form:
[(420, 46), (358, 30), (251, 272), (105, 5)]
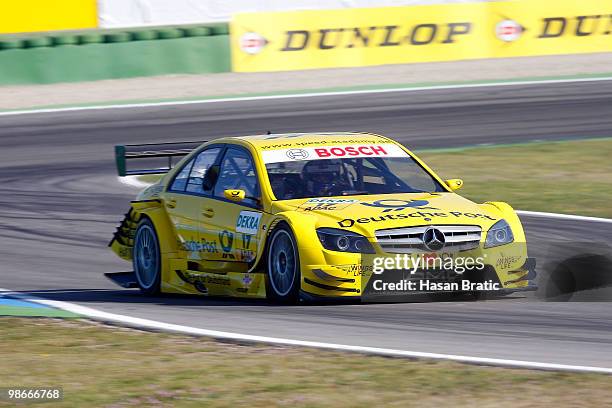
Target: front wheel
[(283, 266), (146, 258)]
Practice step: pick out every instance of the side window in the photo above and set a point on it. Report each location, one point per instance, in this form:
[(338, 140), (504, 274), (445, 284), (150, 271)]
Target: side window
[(200, 167), (237, 172), (180, 181)]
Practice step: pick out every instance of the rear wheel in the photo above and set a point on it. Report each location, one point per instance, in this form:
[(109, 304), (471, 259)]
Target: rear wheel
[(283, 266), (146, 258)]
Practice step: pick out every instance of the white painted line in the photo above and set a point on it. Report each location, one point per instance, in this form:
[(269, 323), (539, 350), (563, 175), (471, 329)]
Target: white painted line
[(174, 328), (302, 95), (564, 216)]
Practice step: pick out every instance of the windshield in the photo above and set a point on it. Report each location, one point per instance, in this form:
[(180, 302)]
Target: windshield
[(349, 176)]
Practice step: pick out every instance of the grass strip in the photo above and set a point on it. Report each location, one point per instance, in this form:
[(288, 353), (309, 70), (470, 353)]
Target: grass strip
[(34, 312), (108, 366), (568, 177)]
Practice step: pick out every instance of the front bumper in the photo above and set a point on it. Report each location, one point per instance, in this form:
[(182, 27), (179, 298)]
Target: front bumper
[(354, 280), (525, 280)]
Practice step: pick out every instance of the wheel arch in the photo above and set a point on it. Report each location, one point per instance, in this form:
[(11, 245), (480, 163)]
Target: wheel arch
[(509, 214), (303, 227), (161, 222)]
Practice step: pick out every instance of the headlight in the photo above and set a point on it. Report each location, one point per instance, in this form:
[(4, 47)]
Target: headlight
[(499, 234), (344, 241)]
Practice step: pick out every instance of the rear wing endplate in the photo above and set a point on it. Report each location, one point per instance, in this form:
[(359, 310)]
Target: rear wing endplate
[(153, 158)]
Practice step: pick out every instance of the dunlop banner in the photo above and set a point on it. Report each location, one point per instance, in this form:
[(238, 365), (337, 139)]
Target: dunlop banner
[(398, 35), (25, 16)]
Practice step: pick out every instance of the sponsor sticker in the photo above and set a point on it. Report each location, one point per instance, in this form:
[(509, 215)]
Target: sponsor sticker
[(508, 30), (248, 222), (507, 261), (252, 43), (297, 154), (333, 152), (327, 204), (226, 239), (425, 215), (247, 280), (355, 269), (347, 37), (202, 246), (399, 205)]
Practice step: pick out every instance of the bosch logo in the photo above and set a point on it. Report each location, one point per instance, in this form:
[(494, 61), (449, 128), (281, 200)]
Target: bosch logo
[(356, 151), (252, 43), (434, 239), (509, 30), (297, 154)]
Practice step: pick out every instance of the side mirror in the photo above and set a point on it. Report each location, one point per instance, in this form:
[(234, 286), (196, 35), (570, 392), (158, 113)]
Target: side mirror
[(454, 184), (235, 195)]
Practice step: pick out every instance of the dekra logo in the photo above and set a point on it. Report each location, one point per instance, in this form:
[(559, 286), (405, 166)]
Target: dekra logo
[(247, 222)]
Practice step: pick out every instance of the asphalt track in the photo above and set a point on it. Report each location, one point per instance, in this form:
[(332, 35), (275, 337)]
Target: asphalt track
[(60, 202)]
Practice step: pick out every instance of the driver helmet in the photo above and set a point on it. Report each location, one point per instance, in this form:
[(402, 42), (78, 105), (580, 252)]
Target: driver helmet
[(323, 175)]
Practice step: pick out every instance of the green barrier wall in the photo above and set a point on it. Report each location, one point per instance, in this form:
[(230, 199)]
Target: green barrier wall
[(89, 56)]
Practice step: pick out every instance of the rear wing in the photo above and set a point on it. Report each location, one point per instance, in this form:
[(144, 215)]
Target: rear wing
[(152, 158)]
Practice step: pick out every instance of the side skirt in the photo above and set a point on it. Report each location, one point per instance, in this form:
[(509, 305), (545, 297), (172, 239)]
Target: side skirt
[(123, 279)]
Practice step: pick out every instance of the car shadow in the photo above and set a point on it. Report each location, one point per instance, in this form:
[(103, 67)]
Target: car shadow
[(135, 297)]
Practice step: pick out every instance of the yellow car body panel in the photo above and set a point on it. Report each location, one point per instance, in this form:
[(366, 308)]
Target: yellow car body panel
[(204, 252)]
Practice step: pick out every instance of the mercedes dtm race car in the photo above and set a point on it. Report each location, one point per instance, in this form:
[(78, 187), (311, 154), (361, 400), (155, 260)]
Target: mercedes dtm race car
[(306, 216)]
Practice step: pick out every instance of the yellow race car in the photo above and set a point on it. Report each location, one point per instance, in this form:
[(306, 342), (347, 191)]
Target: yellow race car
[(307, 216)]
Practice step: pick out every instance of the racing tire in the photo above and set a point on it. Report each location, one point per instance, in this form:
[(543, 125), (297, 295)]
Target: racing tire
[(283, 266), (146, 258)]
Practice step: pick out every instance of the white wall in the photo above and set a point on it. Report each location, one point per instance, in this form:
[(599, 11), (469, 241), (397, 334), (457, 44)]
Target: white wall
[(134, 13)]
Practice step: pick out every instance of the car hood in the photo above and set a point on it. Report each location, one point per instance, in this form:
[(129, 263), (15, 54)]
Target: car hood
[(367, 213)]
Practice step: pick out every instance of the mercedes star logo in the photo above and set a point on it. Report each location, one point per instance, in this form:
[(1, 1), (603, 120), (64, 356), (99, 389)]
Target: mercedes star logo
[(297, 154), (433, 239)]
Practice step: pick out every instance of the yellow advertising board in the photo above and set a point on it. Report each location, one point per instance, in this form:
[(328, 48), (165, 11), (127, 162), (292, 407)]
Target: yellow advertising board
[(399, 35), (25, 16)]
